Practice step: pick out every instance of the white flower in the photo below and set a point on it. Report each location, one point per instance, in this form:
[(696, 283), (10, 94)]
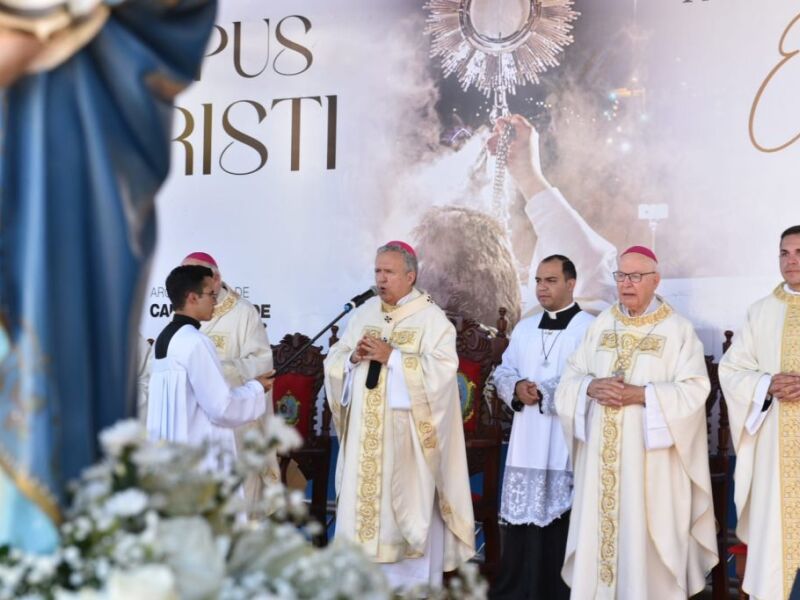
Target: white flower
[(127, 503), (102, 568), (284, 437), (94, 490), (82, 594), (148, 582), (11, 576), (100, 471), (72, 555), (189, 549), (155, 455), (121, 435), (42, 568)]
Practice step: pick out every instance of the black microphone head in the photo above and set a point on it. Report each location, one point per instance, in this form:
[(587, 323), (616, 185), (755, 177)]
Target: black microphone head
[(361, 298)]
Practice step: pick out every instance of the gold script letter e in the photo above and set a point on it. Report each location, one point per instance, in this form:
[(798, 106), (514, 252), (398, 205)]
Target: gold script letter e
[(787, 56)]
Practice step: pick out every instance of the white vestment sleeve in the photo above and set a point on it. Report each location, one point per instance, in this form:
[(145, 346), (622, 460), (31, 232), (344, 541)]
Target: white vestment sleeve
[(506, 375), (756, 416), (255, 354), (143, 378), (396, 388), (348, 382), (656, 432), (582, 410), (560, 229), (224, 406)]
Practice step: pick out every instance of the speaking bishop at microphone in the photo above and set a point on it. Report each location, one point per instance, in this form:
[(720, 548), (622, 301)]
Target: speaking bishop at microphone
[(401, 478)]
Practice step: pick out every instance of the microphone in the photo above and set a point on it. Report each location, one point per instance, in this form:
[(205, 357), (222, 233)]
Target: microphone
[(357, 301), (373, 374)]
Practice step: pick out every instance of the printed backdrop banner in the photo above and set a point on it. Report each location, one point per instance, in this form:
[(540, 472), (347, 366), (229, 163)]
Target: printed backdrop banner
[(319, 130)]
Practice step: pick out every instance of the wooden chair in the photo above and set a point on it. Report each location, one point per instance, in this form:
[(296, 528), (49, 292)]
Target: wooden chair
[(294, 397), (503, 415), (719, 465), (476, 354)]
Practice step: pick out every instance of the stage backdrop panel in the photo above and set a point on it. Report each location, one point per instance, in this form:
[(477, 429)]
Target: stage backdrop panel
[(319, 130)]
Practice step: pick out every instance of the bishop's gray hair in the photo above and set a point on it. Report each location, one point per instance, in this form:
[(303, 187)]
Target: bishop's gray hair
[(410, 259)]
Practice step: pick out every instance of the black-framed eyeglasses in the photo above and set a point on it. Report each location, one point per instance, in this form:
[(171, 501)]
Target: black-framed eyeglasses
[(212, 294), (620, 276)]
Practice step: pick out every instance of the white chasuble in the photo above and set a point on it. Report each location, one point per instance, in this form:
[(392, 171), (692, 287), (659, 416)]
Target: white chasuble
[(241, 341), (642, 521), (767, 476), (397, 467)]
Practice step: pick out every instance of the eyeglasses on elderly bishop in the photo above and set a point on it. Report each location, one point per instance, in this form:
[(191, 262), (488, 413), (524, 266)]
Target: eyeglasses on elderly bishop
[(620, 276)]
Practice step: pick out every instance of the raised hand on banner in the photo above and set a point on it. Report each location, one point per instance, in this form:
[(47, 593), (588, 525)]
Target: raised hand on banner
[(524, 162), (17, 50)]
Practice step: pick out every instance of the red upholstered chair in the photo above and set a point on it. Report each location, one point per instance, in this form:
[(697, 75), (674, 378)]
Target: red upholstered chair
[(294, 397), (476, 356)]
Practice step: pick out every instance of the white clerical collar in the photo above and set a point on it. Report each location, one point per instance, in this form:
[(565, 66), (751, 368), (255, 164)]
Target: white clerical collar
[(789, 290), (552, 314), (408, 297), (654, 304)]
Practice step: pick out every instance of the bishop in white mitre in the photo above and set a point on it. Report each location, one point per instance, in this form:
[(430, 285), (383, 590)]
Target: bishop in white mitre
[(632, 404), (760, 379)]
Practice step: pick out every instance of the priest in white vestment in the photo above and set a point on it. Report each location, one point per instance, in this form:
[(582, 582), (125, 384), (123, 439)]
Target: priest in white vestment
[(402, 483), (536, 495), (760, 378), (632, 404), (189, 400), (240, 339)]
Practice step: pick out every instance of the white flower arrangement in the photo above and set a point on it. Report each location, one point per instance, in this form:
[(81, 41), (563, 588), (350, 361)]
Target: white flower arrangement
[(147, 523)]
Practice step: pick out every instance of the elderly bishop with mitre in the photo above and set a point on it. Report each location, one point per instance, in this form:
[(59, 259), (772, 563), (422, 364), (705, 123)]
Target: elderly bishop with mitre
[(632, 404)]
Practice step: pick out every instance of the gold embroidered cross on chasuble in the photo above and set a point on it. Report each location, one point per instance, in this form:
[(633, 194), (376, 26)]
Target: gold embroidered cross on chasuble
[(372, 434), (631, 338)]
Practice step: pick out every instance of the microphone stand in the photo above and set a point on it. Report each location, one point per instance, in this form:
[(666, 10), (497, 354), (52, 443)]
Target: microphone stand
[(347, 308)]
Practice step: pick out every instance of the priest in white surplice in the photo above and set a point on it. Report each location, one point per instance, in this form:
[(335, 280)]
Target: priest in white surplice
[(188, 398), (632, 404), (537, 485), (240, 339), (401, 478), (760, 378)]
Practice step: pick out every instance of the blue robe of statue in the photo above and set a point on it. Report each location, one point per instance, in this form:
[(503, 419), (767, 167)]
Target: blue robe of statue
[(85, 147)]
